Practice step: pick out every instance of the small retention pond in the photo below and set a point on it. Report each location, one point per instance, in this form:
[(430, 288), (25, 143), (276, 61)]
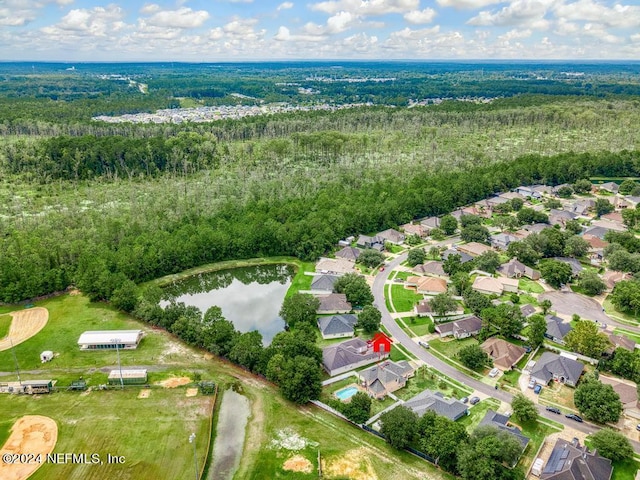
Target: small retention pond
[(230, 433), (250, 297)]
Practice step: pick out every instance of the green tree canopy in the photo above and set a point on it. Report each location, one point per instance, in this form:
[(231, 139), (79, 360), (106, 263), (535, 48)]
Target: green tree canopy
[(591, 283), (299, 308), (524, 408), (448, 224), (555, 273), (611, 444), (443, 303), (475, 233), (399, 426), (597, 401), (369, 319), (416, 256), (585, 338), (537, 329), (487, 262), (356, 289), (483, 457), (370, 258), (473, 357), (603, 206), (358, 409)]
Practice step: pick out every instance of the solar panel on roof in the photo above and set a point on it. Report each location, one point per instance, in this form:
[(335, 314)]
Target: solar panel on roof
[(565, 454)]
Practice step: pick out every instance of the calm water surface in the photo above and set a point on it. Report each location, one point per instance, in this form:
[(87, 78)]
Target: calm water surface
[(250, 297)]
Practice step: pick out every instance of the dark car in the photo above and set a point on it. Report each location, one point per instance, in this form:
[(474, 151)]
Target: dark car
[(554, 410), (474, 400), (464, 399), (527, 348), (573, 416)]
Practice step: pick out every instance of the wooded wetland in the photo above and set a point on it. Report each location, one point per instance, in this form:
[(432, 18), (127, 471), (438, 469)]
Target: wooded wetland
[(106, 206)]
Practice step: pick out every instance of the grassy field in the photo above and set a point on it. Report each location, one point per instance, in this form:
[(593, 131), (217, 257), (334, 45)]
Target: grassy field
[(450, 348), (613, 312), (69, 316), (426, 379), (418, 325), (403, 299), (151, 433), (558, 394), (536, 432), (530, 286), (300, 280), (5, 323), (403, 275), (622, 470)]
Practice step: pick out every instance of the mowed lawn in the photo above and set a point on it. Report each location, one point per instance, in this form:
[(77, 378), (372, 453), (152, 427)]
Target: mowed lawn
[(69, 316), (152, 433), (404, 299), (5, 323)]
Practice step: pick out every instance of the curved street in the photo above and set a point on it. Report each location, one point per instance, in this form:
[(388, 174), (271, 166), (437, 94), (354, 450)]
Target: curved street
[(401, 337)]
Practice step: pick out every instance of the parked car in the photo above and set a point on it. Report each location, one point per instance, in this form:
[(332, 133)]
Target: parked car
[(638, 426), (464, 399), (474, 400), (532, 383), (575, 417), (527, 348), (537, 389), (423, 344), (382, 269), (494, 372), (554, 410)]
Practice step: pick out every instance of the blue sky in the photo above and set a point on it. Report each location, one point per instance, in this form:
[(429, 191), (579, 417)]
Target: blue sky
[(213, 30)]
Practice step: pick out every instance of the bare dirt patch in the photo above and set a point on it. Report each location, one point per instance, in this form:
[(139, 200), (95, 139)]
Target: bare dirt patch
[(75, 292), (191, 392), (298, 463), (175, 382), (354, 465), (144, 393), (25, 324), (31, 434)]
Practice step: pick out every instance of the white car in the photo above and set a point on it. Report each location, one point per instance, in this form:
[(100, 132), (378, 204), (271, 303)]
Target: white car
[(494, 372), (532, 384)]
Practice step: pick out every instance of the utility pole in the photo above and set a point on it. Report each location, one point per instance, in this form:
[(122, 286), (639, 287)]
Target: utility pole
[(192, 439)]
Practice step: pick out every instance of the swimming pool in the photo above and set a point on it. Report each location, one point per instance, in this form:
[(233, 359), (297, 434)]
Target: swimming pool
[(346, 393)]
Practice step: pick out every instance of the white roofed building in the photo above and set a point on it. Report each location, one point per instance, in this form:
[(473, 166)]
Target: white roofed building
[(108, 339)]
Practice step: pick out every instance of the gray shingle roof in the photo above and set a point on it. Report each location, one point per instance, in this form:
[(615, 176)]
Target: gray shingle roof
[(556, 328), (337, 324), (570, 461), (333, 302), (346, 353), (323, 282), (464, 258), (464, 325), (550, 364), (349, 253), (499, 421), (435, 401), (576, 268), (527, 310)]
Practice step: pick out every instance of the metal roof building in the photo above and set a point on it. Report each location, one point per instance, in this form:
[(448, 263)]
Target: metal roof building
[(108, 339)]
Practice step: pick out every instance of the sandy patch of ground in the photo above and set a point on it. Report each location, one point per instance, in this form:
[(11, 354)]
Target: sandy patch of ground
[(298, 463), (74, 292), (175, 382), (31, 434), (354, 465), (144, 393), (191, 392), (25, 324)]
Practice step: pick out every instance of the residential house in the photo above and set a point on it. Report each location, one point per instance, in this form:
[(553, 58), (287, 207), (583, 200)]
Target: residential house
[(333, 303), (337, 326), (609, 225), (521, 234), (501, 422), (511, 195), (346, 356), (474, 248), (323, 284), (556, 329), (385, 377), (627, 391), (457, 214), (536, 227), (598, 232), (494, 286), (610, 187), (415, 229), (596, 248), (464, 258), (375, 242), (504, 354), (516, 269), (336, 266), (611, 277), (502, 240), (392, 236), (433, 268), (463, 328), (560, 217), (632, 201), (559, 368), (423, 309), (498, 200), (436, 402), (430, 223), (575, 265), (581, 207), (349, 253), (528, 192), (570, 461), (621, 341), (431, 286), (615, 217), (527, 310)]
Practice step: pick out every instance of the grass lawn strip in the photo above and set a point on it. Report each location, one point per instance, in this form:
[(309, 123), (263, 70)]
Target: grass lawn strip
[(5, 323), (623, 317), (530, 286), (455, 364), (403, 299)]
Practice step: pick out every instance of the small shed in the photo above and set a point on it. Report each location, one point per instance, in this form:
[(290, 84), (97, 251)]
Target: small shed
[(129, 377), (46, 356), (536, 469)]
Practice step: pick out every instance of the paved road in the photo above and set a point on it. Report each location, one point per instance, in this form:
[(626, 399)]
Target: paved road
[(401, 337)]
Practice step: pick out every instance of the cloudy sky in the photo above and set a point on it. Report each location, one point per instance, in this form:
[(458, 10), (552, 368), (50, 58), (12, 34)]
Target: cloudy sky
[(212, 30)]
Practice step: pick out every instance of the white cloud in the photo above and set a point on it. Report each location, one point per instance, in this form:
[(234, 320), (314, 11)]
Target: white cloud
[(17, 13), (517, 12), (515, 34), (619, 16), (284, 6), (366, 7), (420, 16), (97, 22), (183, 17), (285, 35), (600, 32), (467, 4), (150, 8), (565, 28)]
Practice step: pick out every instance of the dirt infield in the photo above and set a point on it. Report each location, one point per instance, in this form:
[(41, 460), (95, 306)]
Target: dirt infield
[(34, 435), (25, 324), (298, 463), (175, 382)]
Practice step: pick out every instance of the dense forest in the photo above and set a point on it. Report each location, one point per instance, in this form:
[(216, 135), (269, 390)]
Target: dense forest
[(101, 205)]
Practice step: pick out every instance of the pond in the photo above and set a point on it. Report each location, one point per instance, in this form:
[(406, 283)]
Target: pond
[(250, 297)]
